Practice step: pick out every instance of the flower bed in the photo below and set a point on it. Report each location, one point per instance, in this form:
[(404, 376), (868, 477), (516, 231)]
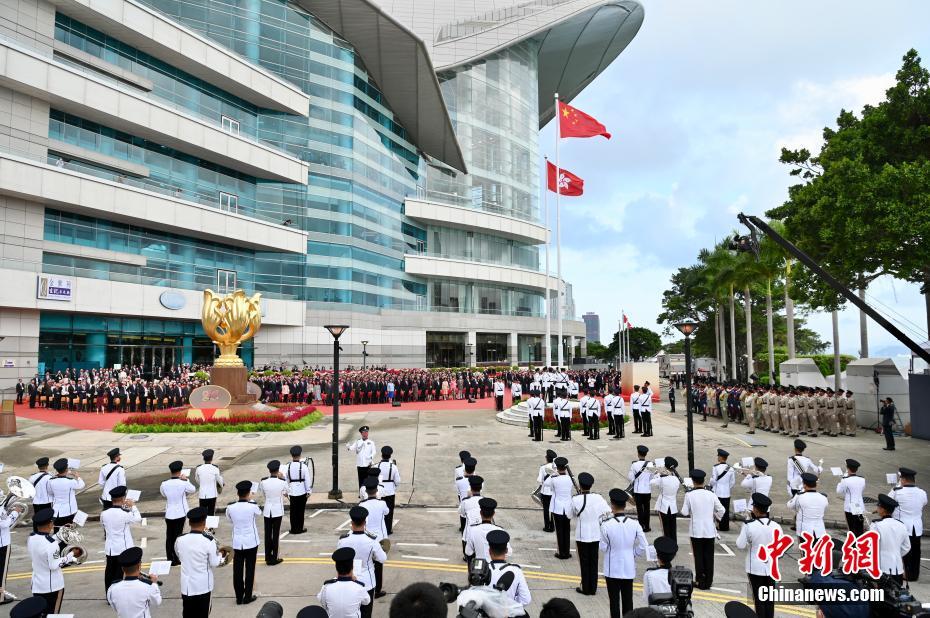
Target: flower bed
[(285, 419)]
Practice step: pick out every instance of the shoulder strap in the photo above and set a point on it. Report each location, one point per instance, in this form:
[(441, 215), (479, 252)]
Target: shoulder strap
[(641, 470), (724, 473), (110, 473)]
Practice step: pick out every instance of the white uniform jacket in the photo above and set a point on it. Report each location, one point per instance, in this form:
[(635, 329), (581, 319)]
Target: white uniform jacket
[(46, 565), (133, 598), (757, 484), (721, 479), (364, 452), (667, 500), (754, 534), (810, 507), (367, 552), (389, 476), (175, 491), (61, 490), (117, 527), (561, 487), (893, 543), (243, 515), (518, 590), (640, 476), (111, 475), (377, 511), (622, 539), (851, 487), (703, 506), (209, 481), (911, 502), (343, 597), (274, 489), (199, 555), (587, 510)]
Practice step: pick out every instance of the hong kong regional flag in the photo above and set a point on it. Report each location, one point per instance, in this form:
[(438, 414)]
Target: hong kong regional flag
[(563, 182), (575, 123)]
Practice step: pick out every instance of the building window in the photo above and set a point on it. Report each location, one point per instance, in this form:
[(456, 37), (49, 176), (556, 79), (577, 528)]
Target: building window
[(229, 202), (230, 125), (225, 281)]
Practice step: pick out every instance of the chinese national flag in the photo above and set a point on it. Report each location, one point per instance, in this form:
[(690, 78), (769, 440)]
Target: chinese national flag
[(563, 182), (575, 123)]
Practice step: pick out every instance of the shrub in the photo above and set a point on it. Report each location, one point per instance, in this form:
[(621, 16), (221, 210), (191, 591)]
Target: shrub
[(177, 422)]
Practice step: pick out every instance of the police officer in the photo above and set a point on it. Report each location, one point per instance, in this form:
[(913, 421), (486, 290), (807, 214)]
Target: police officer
[(389, 478), (911, 502), (609, 409), (367, 549), (499, 389), (655, 579), (48, 581), (667, 483), (760, 483), (537, 410), (560, 506), (851, 487), (498, 547), (703, 506), (622, 539), (722, 480), (111, 475), (61, 489), (545, 492), (594, 418), (562, 411), (463, 487), (199, 555), (894, 541), (759, 532), (8, 519), (798, 464), (619, 415), (476, 542), (634, 404), (459, 470), (587, 509), (243, 514), (583, 412), (132, 597), (345, 596), (117, 521), (364, 450), (209, 482), (274, 489), (810, 507), (640, 476), (645, 410), (299, 487), (175, 490)]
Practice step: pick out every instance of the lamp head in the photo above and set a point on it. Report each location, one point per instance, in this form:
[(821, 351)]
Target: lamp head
[(365, 343), (687, 327), (336, 330)]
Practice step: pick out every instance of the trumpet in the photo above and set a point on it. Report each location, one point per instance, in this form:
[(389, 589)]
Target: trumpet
[(226, 554), (748, 471)]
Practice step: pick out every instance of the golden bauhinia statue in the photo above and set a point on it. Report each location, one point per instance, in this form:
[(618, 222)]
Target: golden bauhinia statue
[(230, 320)]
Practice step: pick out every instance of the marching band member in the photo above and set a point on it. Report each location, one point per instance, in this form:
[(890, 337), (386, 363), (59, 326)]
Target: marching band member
[(274, 489), (798, 464), (667, 483), (345, 596), (655, 579), (175, 490), (199, 555), (209, 482), (469, 509), (243, 514), (388, 477), (476, 545), (364, 450), (463, 487), (61, 489), (459, 470), (560, 506), (911, 501), (851, 487), (299, 487), (8, 519), (545, 492), (367, 550), (622, 539), (111, 475), (758, 483), (587, 509), (703, 506), (132, 596), (722, 480), (894, 542), (758, 532), (498, 548), (377, 514), (117, 520), (810, 506), (640, 476), (48, 581), (39, 480)]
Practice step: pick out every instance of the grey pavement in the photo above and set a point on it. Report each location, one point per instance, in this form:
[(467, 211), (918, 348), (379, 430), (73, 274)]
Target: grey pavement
[(426, 543)]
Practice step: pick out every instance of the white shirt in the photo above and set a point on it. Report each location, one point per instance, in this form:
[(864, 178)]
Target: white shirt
[(116, 479), (367, 552), (7, 521), (274, 489), (583, 404), (851, 487), (61, 490), (40, 481), (377, 511), (46, 567), (703, 506), (619, 406), (536, 406), (199, 555), (561, 486), (516, 390), (117, 527), (893, 542), (299, 479), (541, 479), (655, 581), (471, 511), (634, 400), (645, 401), (561, 408), (364, 452), (175, 492), (243, 514), (667, 500), (609, 403), (209, 481), (476, 541), (810, 507), (753, 535), (805, 465), (518, 590), (587, 509), (722, 486), (132, 598), (594, 408), (389, 476), (462, 487), (911, 501), (641, 482), (757, 484), (343, 598), (498, 389), (622, 539)]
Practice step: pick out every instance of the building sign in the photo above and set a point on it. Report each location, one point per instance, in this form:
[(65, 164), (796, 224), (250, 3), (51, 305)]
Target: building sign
[(172, 300), (53, 287), (8, 362)]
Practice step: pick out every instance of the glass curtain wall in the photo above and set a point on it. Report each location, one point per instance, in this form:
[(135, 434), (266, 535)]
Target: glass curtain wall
[(445, 349), (492, 348)]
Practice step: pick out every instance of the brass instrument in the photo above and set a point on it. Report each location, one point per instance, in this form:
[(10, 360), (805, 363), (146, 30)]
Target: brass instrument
[(308, 461), (69, 538), (19, 490), (226, 554), (748, 471), (385, 545), (550, 470)]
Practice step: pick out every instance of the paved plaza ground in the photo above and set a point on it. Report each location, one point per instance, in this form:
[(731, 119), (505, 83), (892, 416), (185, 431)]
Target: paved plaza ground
[(426, 540)]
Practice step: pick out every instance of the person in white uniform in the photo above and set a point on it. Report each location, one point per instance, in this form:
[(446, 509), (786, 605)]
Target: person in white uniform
[(345, 596), (117, 522), (893, 539), (133, 596), (722, 479), (851, 487), (389, 479), (299, 479), (175, 490), (48, 581), (594, 418), (368, 552), (274, 489), (498, 547), (667, 483), (560, 507), (640, 475), (703, 507), (760, 483), (376, 523), (911, 501), (364, 450), (469, 509), (562, 412), (545, 492), (645, 410), (536, 411), (798, 464), (199, 555), (759, 532), (8, 519), (609, 410), (810, 507), (111, 475), (242, 514), (62, 489), (209, 482), (583, 403), (476, 543), (622, 540), (587, 509), (39, 480), (655, 579)]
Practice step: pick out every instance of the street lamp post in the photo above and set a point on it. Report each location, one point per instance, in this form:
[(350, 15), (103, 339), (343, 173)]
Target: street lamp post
[(336, 331), (687, 328), (364, 355)]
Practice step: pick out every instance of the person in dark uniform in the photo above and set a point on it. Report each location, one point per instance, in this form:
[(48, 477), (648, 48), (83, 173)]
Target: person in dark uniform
[(671, 398), (20, 391), (888, 411)]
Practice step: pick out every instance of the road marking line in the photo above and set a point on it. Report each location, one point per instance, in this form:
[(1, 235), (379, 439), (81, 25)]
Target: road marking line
[(284, 534), (325, 553), (530, 566), (552, 549), (93, 562), (444, 511), (296, 541), (417, 544), (344, 524), (725, 590), (729, 552), (425, 558), (317, 512)]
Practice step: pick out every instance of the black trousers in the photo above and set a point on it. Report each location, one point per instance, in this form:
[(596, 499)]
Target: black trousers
[(35, 509), (499, 402), (209, 504), (585, 425), (594, 428), (619, 422), (244, 572), (537, 428), (642, 509), (566, 424), (889, 436), (671, 402), (725, 520), (196, 606), (646, 418), (610, 423), (669, 527), (912, 560), (362, 474), (272, 536), (52, 601), (703, 562), (558, 425), (297, 513), (856, 523), (4, 564), (620, 594), (389, 518), (173, 529), (462, 526), (764, 609), (563, 528), (367, 609), (587, 561), (61, 521), (637, 421), (547, 518), (112, 574), (379, 575)]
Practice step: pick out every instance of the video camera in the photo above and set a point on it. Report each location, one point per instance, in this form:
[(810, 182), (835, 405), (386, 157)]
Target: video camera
[(677, 603), (898, 602), (479, 599)]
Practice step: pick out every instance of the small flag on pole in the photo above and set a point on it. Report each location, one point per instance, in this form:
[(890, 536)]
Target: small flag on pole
[(575, 123), (563, 182)]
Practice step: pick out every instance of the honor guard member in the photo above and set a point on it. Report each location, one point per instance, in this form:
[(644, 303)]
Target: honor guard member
[(61, 490), (299, 487), (117, 522), (645, 410), (469, 510), (609, 409), (209, 482), (242, 514), (364, 450), (760, 483), (345, 596), (587, 510), (499, 388), (199, 555), (583, 412), (667, 484), (756, 533), (634, 404), (849, 413), (175, 490), (911, 501), (810, 507), (274, 489), (389, 478), (722, 480), (619, 415), (516, 392), (562, 411), (132, 596), (376, 507), (894, 539), (498, 548), (560, 507), (545, 492), (463, 488), (40, 481), (798, 464), (622, 539), (8, 519), (640, 476), (476, 545), (851, 487), (537, 409), (48, 581), (655, 579), (459, 471), (703, 507), (594, 418), (368, 553), (111, 475)]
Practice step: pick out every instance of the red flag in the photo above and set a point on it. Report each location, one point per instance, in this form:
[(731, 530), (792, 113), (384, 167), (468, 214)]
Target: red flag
[(575, 123), (567, 183), (626, 322)]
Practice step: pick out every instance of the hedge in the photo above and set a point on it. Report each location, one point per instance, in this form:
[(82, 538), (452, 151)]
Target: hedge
[(161, 425)]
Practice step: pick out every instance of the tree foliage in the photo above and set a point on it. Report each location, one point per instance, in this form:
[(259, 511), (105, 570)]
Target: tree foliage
[(643, 344)]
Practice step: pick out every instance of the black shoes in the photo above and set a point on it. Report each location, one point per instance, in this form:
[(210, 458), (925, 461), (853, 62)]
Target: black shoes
[(247, 601), (274, 562), (380, 594), (561, 557)]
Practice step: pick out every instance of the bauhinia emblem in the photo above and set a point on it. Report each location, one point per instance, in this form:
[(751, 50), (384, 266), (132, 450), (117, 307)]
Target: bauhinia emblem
[(229, 321)]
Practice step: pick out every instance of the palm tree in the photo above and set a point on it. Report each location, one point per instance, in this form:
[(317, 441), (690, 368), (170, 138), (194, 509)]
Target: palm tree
[(771, 264), (722, 277), (747, 273)]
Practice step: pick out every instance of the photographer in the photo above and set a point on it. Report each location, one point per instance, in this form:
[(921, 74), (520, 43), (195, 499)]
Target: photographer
[(498, 543), (420, 600), (655, 580)]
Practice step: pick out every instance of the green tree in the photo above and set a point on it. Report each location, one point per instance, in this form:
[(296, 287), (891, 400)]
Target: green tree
[(643, 344), (599, 351)]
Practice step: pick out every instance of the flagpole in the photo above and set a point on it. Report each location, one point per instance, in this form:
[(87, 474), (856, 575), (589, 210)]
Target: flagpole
[(620, 339), (629, 356), (558, 225), (548, 347)]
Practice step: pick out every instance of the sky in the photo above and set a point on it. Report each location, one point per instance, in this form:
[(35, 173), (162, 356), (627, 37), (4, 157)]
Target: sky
[(699, 106)]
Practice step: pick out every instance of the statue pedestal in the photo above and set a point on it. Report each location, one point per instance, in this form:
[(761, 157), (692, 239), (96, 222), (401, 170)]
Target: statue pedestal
[(235, 380)]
